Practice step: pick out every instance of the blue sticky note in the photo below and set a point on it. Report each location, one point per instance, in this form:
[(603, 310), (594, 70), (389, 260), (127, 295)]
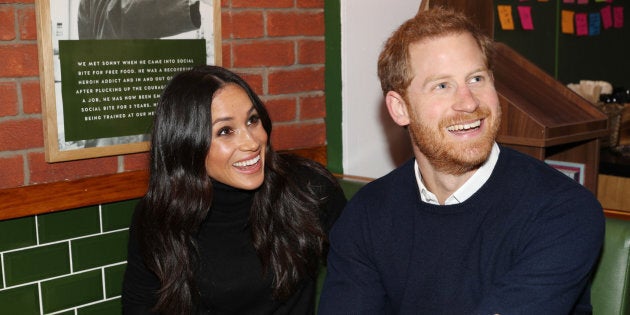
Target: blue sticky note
[(594, 24)]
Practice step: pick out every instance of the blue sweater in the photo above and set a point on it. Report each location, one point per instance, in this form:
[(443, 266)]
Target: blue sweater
[(524, 243)]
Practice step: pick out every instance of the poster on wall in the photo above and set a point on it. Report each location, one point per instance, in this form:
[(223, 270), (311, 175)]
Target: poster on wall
[(104, 63)]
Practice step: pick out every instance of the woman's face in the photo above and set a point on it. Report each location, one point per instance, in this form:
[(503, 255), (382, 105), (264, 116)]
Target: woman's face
[(237, 151)]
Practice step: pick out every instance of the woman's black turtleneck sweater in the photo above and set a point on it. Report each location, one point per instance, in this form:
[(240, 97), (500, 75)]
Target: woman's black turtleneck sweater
[(230, 278)]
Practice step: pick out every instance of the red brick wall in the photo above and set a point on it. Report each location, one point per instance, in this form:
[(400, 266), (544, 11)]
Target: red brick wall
[(276, 45)]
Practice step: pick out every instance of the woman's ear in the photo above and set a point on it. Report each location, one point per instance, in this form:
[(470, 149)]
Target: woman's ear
[(397, 108)]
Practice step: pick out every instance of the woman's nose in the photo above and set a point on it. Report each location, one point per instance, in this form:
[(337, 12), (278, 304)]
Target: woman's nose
[(248, 141)]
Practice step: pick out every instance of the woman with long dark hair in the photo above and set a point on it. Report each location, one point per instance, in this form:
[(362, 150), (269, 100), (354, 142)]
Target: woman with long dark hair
[(228, 225)]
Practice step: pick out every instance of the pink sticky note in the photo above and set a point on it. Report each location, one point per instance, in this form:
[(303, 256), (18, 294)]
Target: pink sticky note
[(607, 20), (525, 13), (618, 17), (581, 24), (582, 1), (568, 1)]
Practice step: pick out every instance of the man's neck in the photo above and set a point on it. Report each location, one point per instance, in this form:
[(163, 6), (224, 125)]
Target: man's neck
[(441, 184)]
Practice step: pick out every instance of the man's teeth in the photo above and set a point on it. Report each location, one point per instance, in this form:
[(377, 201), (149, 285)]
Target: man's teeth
[(248, 162), (465, 126)]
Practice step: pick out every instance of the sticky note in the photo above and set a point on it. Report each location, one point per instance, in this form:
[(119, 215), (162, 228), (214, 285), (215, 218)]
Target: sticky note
[(581, 24), (582, 1), (617, 17), (525, 13), (505, 17), (567, 22), (607, 19), (568, 1), (601, 0), (594, 24)]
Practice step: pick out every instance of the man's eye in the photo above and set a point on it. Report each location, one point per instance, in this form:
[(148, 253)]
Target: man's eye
[(440, 86), (477, 78)]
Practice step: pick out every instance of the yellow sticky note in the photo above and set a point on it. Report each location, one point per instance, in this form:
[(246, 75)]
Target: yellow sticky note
[(567, 22), (505, 17)]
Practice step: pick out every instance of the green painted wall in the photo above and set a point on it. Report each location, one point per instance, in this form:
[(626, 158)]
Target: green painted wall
[(333, 85)]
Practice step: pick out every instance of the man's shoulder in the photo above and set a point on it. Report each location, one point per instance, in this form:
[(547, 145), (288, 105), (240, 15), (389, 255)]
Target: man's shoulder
[(534, 180), (393, 192), (400, 178)]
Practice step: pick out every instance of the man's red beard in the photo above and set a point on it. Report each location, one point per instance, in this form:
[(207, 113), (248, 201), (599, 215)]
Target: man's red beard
[(451, 157)]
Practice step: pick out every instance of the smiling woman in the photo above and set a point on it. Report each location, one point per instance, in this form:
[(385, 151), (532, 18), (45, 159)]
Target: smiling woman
[(239, 140), (227, 225)]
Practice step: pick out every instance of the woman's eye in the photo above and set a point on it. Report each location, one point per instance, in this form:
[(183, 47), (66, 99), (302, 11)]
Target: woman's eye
[(224, 131), (254, 119)]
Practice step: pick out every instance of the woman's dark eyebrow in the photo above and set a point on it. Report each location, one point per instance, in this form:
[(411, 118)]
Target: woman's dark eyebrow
[(228, 118)]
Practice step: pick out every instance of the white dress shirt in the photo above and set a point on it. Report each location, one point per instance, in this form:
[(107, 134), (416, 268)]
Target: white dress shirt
[(468, 188)]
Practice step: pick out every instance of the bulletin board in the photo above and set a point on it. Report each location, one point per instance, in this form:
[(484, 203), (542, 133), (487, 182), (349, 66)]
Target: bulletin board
[(571, 40)]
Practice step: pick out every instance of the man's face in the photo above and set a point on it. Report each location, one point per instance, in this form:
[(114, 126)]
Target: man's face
[(452, 106)]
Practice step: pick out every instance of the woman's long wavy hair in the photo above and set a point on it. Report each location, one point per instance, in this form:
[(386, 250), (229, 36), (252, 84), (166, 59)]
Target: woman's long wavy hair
[(284, 219)]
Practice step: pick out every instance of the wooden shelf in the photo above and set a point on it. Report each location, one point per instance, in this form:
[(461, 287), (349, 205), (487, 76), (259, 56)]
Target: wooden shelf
[(544, 118)]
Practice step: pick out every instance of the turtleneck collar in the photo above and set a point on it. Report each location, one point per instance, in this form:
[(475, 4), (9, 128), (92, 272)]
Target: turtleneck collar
[(229, 203)]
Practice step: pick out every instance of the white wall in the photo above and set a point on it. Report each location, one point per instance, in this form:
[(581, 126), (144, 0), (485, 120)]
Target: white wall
[(372, 144)]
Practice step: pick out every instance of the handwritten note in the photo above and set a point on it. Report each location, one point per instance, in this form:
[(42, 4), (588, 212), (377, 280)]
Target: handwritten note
[(594, 24), (525, 13), (618, 17), (567, 22), (607, 19), (581, 24), (505, 17)]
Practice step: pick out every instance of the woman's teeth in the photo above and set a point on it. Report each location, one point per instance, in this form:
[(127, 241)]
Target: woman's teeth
[(248, 162), (465, 126)]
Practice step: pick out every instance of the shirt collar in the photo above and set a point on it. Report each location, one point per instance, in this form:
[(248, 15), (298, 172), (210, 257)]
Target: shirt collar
[(468, 188)]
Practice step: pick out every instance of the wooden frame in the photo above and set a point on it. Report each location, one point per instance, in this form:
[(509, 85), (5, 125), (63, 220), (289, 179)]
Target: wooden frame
[(57, 146)]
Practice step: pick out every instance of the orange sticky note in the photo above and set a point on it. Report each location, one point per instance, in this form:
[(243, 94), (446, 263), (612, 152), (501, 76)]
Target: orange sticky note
[(525, 13), (567, 22), (505, 17)]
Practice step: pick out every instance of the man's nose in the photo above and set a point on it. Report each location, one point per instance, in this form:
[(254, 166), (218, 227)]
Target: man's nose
[(466, 100)]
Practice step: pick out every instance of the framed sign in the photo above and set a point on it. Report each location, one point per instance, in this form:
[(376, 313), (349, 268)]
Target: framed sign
[(571, 169), (103, 65)]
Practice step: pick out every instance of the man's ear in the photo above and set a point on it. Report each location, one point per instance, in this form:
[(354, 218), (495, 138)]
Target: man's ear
[(397, 108)]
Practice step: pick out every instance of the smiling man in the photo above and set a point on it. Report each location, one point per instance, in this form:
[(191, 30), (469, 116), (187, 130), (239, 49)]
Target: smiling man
[(467, 226)]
